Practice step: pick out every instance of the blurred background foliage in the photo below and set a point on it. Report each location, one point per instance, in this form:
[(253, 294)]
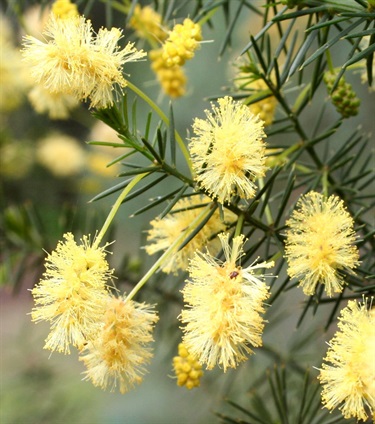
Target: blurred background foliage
[(298, 52)]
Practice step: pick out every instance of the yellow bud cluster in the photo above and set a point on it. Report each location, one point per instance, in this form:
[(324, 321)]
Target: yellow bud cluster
[(182, 43), (188, 370), (64, 9), (172, 79)]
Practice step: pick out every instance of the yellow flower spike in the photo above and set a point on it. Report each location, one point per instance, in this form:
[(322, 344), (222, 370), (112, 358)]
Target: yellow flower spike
[(74, 61), (187, 369), (172, 79), (223, 306), (72, 293), (182, 42), (165, 231), (228, 151), (64, 9), (118, 355), (348, 373), (320, 243)]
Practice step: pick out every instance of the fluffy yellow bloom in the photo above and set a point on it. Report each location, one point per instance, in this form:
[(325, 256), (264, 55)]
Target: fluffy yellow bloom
[(56, 105), (182, 42), (148, 23), (117, 357), (72, 293), (228, 151), (348, 376), (187, 369), (171, 78), (61, 155), (319, 243), (165, 231), (74, 61), (64, 9), (224, 302)]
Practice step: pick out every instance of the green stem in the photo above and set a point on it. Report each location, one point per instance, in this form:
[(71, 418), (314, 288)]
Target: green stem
[(239, 225), (208, 16), (115, 208), (329, 62), (267, 209), (169, 252), (325, 182), (164, 118)]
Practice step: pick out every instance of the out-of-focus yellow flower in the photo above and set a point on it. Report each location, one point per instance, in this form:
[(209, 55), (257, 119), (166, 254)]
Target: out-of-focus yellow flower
[(64, 9), (228, 151), (56, 105), (223, 306), (74, 61), (187, 369), (16, 159), (148, 24), (61, 155), (264, 108), (117, 357), (165, 231), (72, 294), (348, 373), (13, 76), (320, 242), (181, 43)]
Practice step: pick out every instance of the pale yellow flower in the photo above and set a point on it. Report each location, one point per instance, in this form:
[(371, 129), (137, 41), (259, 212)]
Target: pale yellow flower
[(348, 374), (181, 43), (56, 105), (75, 61), (223, 306), (117, 357), (320, 242), (72, 293), (228, 151), (187, 369), (165, 231), (148, 23), (62, 155)]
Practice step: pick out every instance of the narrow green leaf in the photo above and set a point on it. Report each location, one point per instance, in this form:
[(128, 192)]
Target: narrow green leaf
[(172, 138), (302, 51), (229, 31), (362, 55), (161, 143), (287, 192), (263, 30), (144, 188), (331, 42), (199, 227), (154, 153), (246, 412), (111, 190), (149, 169), (160, 199)]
